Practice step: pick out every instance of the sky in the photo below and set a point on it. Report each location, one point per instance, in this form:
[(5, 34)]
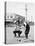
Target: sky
[(19, 8)]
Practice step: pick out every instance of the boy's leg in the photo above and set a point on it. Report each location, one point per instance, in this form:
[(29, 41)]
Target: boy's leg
[(19, 34), (26, 35), (15, 34)]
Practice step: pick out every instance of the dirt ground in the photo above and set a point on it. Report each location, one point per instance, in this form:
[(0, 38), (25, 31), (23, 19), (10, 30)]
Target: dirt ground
[(10, 39)]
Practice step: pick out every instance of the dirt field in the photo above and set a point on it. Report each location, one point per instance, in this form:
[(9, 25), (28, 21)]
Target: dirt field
[(11, 39)]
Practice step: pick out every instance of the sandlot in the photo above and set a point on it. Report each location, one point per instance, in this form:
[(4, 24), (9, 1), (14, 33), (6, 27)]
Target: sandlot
[(10, 39)]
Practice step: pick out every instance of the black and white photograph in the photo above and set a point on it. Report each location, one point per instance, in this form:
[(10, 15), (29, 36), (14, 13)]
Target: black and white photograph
[(19, 22)]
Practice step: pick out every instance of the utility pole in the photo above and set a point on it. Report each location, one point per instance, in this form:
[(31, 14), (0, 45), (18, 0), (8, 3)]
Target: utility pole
[(5, 21), (31, 18), (26, 11)]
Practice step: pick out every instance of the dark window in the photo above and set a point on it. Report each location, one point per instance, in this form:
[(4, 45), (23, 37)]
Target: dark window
[(11, 16), (7, 16)]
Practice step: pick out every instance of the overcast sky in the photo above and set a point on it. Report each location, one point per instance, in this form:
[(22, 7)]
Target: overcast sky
[(19, 8)]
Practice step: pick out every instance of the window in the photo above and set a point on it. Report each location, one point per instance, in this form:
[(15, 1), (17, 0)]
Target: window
[(11, 16), (7, 16)]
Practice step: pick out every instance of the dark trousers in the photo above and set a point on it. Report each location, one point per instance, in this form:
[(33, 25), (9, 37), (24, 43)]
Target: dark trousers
[(26, 33), (19, 32)]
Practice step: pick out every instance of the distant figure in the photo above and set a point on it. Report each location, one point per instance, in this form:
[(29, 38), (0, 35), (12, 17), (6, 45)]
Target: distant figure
[(27, 30)]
